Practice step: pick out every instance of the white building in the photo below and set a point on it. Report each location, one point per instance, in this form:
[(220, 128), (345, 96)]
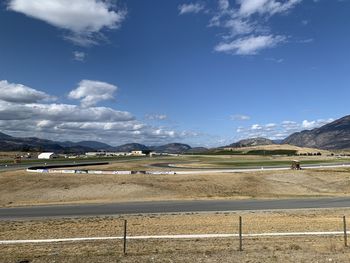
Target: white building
[(95, 154), (137, 153), (47, 156)]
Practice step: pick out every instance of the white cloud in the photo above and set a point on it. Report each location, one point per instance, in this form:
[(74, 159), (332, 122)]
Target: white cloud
[(246, 25), (270, 125), (239, 27), (21, 116), (190, 8), (240, 117), (73, 113), (256, 127), (314, 124), (18, 93), (249, 45), (249, 7), (79, 56), (224, 4), (61, 113), (156, 117), (279, 130), (90, 92), (276, 60), (82, 18)]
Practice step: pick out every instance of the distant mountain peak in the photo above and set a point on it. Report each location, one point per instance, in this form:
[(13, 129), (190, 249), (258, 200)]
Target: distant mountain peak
[(172, 148), (5, 136), (251, 142), (131, 147)]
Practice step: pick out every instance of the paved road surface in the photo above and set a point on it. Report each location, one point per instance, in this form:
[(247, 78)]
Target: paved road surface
[(168, 207), (197, 170)]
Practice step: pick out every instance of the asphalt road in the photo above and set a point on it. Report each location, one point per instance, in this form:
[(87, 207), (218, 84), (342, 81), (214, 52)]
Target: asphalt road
[(167, 207), (242, 168)]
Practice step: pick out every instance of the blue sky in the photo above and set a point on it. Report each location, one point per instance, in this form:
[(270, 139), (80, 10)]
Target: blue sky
[(200, 72)]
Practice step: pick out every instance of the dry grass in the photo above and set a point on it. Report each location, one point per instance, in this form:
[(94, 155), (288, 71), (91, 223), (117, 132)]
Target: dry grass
[(22, 188), (282, 147), (9, 155), (296, 249), (311, 250), (186, 223)]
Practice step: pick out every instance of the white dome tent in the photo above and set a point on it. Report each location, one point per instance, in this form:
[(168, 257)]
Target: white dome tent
[(47, 155)]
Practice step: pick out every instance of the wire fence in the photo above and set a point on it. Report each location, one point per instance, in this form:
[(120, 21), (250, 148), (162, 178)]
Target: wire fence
[(240, 236)]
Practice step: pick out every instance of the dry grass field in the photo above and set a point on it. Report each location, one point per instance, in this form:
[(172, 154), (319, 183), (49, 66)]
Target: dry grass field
[(300, 150), (276, 250), (21, 188), (9, 155), (263, 249)]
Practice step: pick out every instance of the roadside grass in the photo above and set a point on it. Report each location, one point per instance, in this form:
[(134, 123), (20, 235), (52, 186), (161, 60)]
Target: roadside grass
[(288, 250), (255, 250)]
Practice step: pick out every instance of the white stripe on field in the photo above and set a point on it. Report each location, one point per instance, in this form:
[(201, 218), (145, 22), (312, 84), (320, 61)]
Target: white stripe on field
[(8, 242)]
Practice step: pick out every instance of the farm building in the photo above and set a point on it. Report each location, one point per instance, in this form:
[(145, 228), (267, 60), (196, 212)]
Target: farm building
[(47, 156), (137, 153)]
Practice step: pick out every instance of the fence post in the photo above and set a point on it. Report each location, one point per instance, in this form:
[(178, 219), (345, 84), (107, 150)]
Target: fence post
[(124, 243), (240, 234), (345, 234)]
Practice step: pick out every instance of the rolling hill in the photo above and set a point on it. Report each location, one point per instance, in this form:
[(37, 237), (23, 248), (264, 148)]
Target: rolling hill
[(251, 142), (332, 136)]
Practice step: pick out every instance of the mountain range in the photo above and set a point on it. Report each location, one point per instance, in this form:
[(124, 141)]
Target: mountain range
[(9, 143), (332, 136)]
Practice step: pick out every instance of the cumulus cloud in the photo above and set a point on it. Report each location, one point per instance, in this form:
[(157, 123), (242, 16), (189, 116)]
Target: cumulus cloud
[(19, 93), (83, 19), (249, 45), (36, 116), (279, 130), (315, 123), (190, 8), (256, 127), (246, 30), (90, 92), (73, 113)]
